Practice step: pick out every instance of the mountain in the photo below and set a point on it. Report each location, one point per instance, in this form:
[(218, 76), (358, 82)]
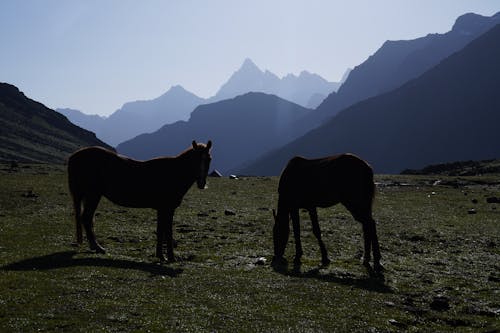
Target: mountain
[(397, 62), (241, 129), (31, 132), (147, 116), (93, 123), (450, 113), (297, 89), (176, 104)]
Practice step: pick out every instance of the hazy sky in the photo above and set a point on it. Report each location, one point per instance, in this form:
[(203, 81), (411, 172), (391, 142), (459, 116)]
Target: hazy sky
[(95, 55)]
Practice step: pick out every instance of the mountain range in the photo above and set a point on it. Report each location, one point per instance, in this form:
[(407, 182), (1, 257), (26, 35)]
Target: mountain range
[(176, 104), (397, 62), (450, 113), (241, 128), (31, 132)]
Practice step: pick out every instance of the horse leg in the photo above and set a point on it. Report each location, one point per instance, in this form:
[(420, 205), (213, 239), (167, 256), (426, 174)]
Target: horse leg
[(313, 213), (164, 232), (294, 213), (367, 236), (89, 207), (77, 209), (375, 246)]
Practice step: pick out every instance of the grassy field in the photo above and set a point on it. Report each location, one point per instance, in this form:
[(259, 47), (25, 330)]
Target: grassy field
[(440, 244)]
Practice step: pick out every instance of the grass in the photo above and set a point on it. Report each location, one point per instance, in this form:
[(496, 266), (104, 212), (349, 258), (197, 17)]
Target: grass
[(442, 263)]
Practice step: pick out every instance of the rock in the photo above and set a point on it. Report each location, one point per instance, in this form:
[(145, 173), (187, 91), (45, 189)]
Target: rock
[(474, 201), (261, 261), (440, 303), (493, 200), (229, 212), (396, 323), (471, 211), (233, 177)]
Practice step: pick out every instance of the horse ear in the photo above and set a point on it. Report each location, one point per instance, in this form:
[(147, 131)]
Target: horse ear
[(209, 144), (195, 145)]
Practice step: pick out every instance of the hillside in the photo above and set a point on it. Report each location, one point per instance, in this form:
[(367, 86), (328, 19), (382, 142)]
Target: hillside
[(30, 132), (241, 128), (450, 113), (397, 62), (459, 168)]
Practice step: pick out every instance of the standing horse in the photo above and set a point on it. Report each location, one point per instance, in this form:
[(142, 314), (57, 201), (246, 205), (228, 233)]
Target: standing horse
[(324, 182), (160, 183)]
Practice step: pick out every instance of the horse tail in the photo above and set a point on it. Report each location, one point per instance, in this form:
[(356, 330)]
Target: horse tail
[(77, 202)]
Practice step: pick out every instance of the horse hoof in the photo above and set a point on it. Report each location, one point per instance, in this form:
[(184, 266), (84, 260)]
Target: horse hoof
[(325, 262), (98, 249), (378, 267), (279, 261), (296, 260)]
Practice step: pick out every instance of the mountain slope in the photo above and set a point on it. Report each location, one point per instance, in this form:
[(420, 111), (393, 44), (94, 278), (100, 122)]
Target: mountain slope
[(397, 62), (93, 123), (241, 128), (30, 132), (450, 113)]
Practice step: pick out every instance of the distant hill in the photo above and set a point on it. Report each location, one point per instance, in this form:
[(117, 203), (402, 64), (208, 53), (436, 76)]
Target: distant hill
[(31, 132), (397, 62), (450, 113), (460, 168), (298, 89), (241, 129)]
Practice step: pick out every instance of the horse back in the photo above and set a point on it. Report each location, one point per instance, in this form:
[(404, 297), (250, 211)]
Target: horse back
[(95, 171), (325, 181)]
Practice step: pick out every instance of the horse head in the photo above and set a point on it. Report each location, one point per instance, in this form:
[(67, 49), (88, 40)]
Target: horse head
[(281, 231), (203, 152)]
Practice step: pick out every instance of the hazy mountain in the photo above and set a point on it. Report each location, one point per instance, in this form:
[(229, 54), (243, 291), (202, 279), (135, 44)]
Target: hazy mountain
[(297, 89), (397, 62), (147, 116), (176, 104), (31, 132), (93, 123), (241, 129), (450, 113)]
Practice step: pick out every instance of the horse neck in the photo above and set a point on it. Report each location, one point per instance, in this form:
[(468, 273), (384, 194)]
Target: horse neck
[(186, 165)]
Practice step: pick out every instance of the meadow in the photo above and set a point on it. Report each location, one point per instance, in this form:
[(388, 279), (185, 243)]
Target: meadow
[(439, 237)]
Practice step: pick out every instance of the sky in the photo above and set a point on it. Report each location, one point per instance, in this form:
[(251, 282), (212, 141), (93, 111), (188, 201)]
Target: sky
[(96, 55)]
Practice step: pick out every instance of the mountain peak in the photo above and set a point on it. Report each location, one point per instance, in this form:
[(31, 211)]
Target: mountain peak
[(472, 23), (249, 65)]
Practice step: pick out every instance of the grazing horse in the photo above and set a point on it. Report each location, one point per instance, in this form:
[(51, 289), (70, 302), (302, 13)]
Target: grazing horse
[(324, 182), (159, 183)]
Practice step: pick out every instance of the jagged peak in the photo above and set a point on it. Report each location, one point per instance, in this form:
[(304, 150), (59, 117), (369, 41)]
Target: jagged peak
[(248, 64)]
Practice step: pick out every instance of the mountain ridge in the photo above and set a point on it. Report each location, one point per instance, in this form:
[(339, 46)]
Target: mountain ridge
[(435, 118), (241, 128)]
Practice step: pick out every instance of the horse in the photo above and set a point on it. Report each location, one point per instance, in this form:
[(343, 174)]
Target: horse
[(159, 183), (324, 182)]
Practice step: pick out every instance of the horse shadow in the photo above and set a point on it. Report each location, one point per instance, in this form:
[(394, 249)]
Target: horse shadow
[(66, 259), (374, 281)]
